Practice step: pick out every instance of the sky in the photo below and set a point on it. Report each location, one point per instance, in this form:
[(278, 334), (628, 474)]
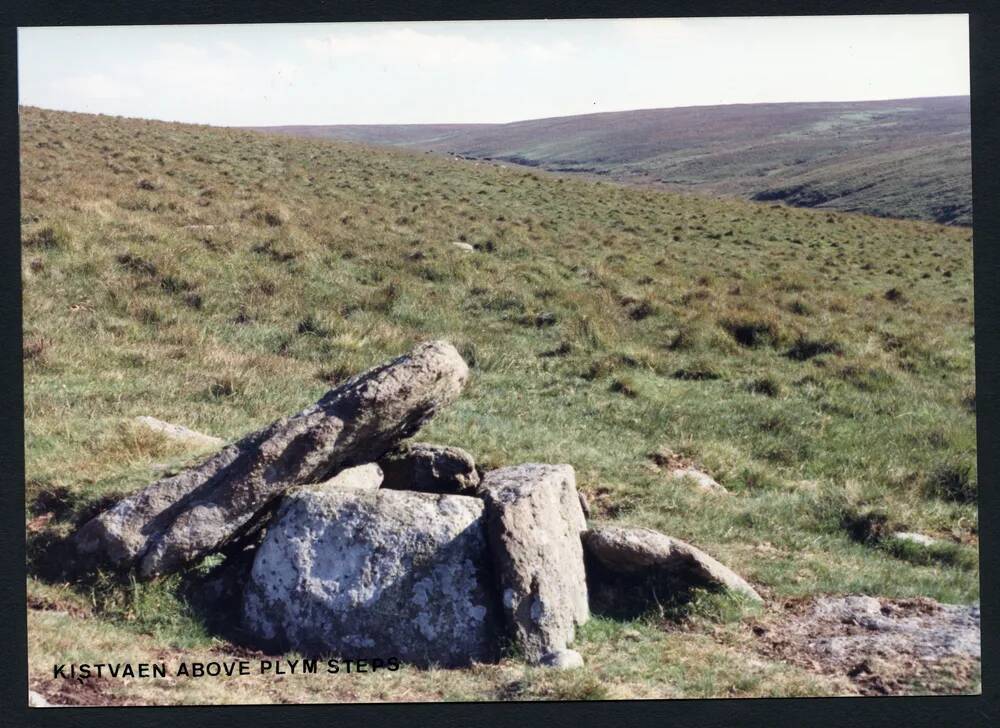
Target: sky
[(484, 71)]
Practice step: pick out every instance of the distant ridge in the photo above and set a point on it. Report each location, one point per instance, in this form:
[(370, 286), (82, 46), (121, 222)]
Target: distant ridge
[(902, 158)]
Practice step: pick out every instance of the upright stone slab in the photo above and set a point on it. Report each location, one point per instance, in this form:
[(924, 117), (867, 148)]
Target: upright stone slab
[(534, 521), (178, 520), (376, 574)]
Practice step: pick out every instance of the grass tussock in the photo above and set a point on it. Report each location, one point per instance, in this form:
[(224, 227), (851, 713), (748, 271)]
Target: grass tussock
[(46, 237), (753, 331), (953, 482)]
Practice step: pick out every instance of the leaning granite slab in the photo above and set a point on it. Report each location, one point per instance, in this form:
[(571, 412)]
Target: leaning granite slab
[(632, 569), (534, 521), (361, 574), (179, 433), (177, 520), (430, 468)]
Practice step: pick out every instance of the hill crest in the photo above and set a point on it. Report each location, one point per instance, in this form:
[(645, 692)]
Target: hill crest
[(901, 158)]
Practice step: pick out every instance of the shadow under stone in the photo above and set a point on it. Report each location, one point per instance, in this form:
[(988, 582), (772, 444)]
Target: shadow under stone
[(626, 596)]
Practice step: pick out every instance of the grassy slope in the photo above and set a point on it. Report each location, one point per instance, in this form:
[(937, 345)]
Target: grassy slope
[(905, 158), (220, 279)]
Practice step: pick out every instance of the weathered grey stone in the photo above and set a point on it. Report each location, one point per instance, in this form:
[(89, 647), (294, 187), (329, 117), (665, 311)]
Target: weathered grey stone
[(630, 570), (702, 480), (430, 469), (562, 660), (848, 608), (361, 574), (917, 538), (361, 477), (534, 521), (464, 247), (178, 520), (884, 645), (922, 628), (179, 433)]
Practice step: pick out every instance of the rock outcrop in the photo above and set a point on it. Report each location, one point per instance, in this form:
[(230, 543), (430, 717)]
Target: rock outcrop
[(884, 646), (376, 574), (920, 626), (178, 520), (631, 570), (342, 540), (430, 469), (534, 521)]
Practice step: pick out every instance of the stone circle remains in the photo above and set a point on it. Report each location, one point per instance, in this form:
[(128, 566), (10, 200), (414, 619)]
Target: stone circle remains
[(364, 543)]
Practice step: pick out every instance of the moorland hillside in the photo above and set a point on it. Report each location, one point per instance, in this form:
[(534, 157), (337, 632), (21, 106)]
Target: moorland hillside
[(819, 365), (904, 158)]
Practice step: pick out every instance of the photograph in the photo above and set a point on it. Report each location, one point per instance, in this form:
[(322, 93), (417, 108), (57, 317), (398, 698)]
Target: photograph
[(447, 361)]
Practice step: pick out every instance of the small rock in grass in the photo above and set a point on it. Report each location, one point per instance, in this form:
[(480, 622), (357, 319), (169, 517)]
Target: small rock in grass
[(917, 538), (546, 318), (562, 659), (849, 608), (704, 481), (179, 433), (464, 246)]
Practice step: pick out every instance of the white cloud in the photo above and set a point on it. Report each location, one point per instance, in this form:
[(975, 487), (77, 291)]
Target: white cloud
[(94, 86), (184, 64), (234, 49), (653, 33), (555, 52), (410, 46)]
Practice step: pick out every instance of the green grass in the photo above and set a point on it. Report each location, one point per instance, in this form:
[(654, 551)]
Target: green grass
[(220, 279)]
